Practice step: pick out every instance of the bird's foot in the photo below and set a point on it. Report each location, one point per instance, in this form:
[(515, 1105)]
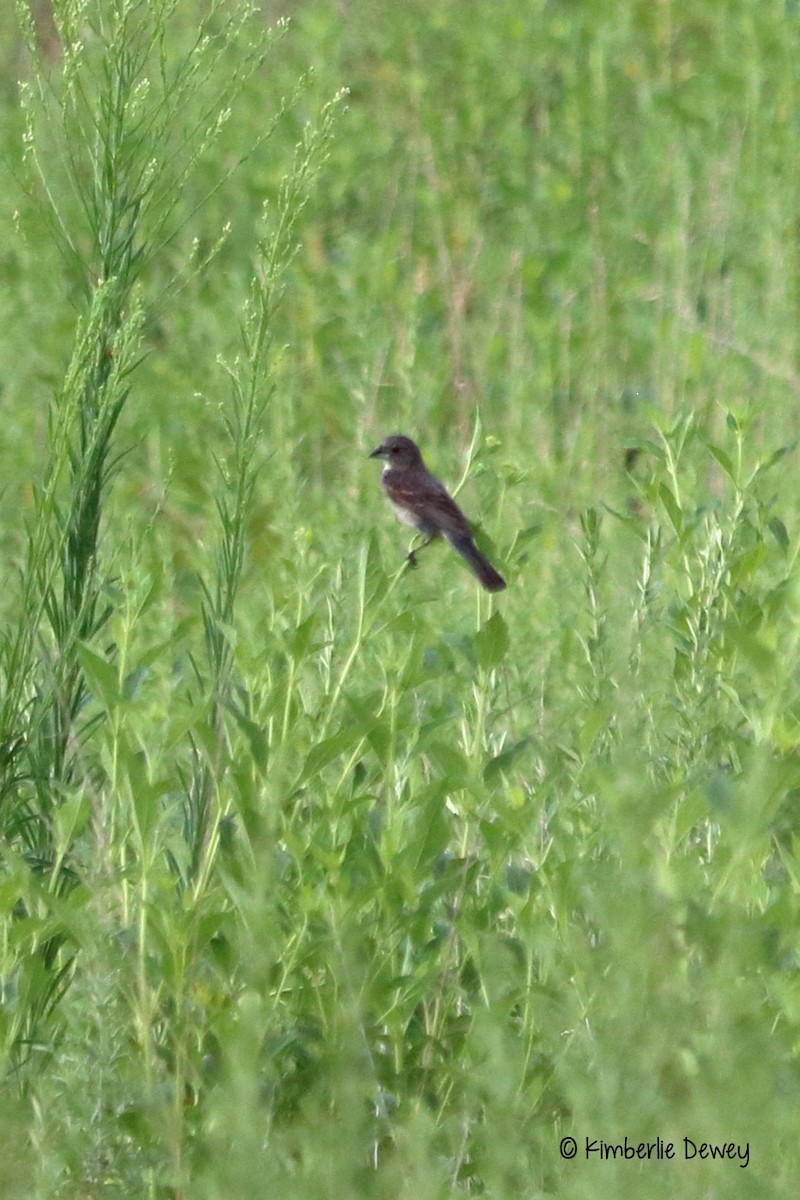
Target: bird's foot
[(411, 557)]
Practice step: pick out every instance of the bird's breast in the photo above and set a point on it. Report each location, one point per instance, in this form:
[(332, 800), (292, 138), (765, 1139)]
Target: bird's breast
[(406, 515)]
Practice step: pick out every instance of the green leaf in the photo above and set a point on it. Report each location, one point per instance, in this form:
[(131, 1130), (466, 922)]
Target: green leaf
[(780, 453), (502, 762), (492, 642), (723, 459), (71, 818), (778, 531), (645, 446), (527, 535), (329, 749), (101, 677), (454, 767), (671, 505), (256, 737), (299, 639), (434, 831)]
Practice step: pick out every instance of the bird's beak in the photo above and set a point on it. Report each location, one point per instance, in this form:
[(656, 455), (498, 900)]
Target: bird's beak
[(379, 452)]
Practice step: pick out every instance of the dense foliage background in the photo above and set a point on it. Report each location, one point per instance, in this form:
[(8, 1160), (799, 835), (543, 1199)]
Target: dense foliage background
[(321, 876)]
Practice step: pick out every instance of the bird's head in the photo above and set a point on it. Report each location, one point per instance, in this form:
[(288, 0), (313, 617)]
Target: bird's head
[(398, 452)]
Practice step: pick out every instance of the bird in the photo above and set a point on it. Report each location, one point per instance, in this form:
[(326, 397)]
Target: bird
[(420, 500)]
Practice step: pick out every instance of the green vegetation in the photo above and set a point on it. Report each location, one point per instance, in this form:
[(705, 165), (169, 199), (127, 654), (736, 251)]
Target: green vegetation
[(321, 876)]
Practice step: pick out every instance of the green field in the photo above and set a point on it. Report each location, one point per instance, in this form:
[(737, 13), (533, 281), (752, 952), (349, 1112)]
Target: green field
[(325, 877)]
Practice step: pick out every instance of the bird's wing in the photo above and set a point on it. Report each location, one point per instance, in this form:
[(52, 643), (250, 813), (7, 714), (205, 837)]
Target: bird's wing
[(428, 499)]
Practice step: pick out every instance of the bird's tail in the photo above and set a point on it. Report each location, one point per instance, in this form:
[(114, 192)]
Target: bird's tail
[(481, 568)]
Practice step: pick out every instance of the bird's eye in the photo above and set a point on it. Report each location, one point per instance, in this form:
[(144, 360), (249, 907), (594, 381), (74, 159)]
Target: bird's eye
[(393, 449)]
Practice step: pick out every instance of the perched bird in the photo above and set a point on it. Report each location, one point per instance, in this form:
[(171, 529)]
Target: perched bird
[(421, 500)]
